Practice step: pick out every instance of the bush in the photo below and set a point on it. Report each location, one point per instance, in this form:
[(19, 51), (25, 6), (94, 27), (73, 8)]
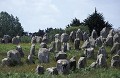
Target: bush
[(25, 39)]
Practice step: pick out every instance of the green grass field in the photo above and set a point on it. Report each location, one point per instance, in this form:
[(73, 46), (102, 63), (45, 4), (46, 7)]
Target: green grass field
[(28, 70)]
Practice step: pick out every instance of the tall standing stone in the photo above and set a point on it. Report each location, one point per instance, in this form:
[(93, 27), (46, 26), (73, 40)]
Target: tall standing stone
[(64, 38), (77, 43), (115, 48), (81, 62), (115, 62), (79, 34), (94, 34), (32, 49), (102, 50), (72, 36)]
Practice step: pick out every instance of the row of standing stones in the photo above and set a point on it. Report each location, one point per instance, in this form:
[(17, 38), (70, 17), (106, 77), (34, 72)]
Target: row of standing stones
[(61, 44)]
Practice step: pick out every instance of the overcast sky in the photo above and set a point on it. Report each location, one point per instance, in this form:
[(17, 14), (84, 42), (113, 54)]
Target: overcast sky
[(41, 14)]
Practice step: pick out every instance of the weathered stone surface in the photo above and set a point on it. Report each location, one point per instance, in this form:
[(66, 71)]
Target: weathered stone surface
[(6, 62), (14, 55), (85, 36), (43, 55), (111, 32), (115, 62), (64, 47), (79, 34), (86, 44), (116, 38), (60, 55), (102, 50), (43, 45), (101, 61), (33, 40), (118, 52), (73, 63), (57, 45), (77, 43), (19, 49), (89, 52), (52, 46), (92, 41), (72, 36), (30, 59), (57, 37), (109, 41), (98, 41), (32, 49), (15, 40), (45, 38), (94, 34), (63, 66), (104, 32), (93, 65), (6, 39), (40, 70), (81, 62), (115, 48), (52, 70), (64, 38), (38, 39)]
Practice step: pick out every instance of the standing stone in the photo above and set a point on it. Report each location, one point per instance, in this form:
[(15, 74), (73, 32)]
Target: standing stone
[(38, 39), (72, 36), (6, 62), (116, 38), (115, 48), (15, 40), (86, 44), (40, 70), (6, 38), (45, 38), (19, 49), (94, 34), (14, 55), (43, 45), (68, 47), (81, 62), (104, 32), (115, 62), (79, 34), (57, 45), (52, 46), (64, 47), (77, 43), (43, 55), (102, 50), (101, 61), (64, 38), (63, 66), (92, 41), (30, 59), (89, 52), (57, 37), (60, 55), (32, 49), (33, 40), (85, 36), (111, 32), (52, 70), (98, 41), (73, 63), (109, 41)]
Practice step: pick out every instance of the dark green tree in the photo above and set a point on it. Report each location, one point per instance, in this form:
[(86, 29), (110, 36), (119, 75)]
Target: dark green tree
[(96, 21), (10, 25)]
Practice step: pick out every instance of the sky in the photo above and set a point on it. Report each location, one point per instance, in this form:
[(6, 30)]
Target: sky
[(42, 14)]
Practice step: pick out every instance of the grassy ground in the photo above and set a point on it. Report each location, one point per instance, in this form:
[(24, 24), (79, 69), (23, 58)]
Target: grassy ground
[(28, 71)]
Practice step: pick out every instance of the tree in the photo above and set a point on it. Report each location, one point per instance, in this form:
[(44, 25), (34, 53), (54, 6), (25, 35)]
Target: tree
[(96, 21), (10, 25), (75, 22)]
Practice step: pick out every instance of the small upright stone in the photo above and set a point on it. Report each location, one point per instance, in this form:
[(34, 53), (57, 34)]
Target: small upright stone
[(77, 43), (72, 36), (73, 63), (15, 40), (33, 40), (115, 48), (115, 62), (63, 66), (94, 34), (52, 70), (32, 49), (43, 55), (81, 62), (60, 55), (79, 34), (64, 38), (102, 50), (39, 70), (19, 49), (89, 52)]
